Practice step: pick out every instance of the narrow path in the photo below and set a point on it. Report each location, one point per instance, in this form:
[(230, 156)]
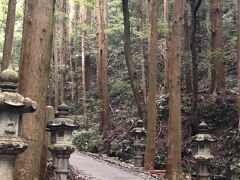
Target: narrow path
[(100, 170)]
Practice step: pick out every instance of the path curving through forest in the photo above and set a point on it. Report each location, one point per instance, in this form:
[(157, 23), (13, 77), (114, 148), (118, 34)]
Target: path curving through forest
[(95, 169)]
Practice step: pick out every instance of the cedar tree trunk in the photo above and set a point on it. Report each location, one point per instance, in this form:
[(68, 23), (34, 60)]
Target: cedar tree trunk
[(33, 82)]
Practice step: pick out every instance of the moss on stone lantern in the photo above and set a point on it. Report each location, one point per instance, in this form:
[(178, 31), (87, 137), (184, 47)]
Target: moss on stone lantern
[(12, 106)]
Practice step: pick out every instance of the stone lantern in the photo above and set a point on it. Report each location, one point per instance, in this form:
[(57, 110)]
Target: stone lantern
[(12, 106), (61, 128), (139, 134), (203, 155)]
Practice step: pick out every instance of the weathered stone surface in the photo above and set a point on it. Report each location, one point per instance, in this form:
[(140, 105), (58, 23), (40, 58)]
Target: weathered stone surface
[(12, 106), (12, 145), (61, 128)]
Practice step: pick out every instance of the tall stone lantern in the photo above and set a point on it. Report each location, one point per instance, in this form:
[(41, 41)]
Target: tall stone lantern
[(203, 155), (12, 106), (139, 134), (61, 128)]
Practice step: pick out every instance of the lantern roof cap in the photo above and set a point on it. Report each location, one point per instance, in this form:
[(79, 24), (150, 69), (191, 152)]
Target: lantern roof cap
[(203, 127), (139, 129), (203, 134), (62, 119), (9, 98), (8, 79)]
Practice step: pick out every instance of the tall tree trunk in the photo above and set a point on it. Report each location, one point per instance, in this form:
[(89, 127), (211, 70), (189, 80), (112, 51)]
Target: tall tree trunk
[(35, 60), (56, 65), (85, 69), (71, 42), (76, 59), (152, 97), (84, 83), (186, 47), (101, 17), (195, 60), (142, 24), (238, 61), (166, 25), (135, 83), (63, 55), (174, 170), (166, 14), (8, 42), (98, 39), (218, 70), (207, 6)]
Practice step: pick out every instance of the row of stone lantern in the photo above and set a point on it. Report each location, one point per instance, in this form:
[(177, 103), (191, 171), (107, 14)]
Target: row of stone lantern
[(12, 106), (203, 155)]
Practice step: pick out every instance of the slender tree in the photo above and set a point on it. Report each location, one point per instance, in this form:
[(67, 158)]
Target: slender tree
[(63, 50), (218, 71), (101, 25), (174, 170), (72, 29), (33, 81), (83, 72), (85, 68), (166, 25), (152, 97), (135, 83), (7, 47), (142, 28), (186, 47), (56, 64), (238, 61), (195, 4)]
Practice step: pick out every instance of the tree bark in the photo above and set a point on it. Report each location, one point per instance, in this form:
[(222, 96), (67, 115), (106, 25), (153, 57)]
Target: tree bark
[(63, 55), (166, 26), (186, 47), (9, 32), (56, 65), (142, 26), (46, 142), (238, 62), (84, 83), (33, 81), (71, 42), (195, 60), (218, 81), (166, 14), (85, 70), (135, 83), (174, 170), (102, 21), (152, 97)]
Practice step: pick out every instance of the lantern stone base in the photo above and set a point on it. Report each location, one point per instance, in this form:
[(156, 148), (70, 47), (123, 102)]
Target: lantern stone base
[(7, 166), (139, 156), (61, 154), (10, 147), (203, 173), (202, 166)]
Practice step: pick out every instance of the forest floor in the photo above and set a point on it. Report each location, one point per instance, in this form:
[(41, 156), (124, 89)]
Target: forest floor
[(93, 167)]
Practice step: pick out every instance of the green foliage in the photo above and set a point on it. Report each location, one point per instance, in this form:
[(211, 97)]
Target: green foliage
[(87, 3), (217, 111), (160, 161), (88, 140), (162, 104)]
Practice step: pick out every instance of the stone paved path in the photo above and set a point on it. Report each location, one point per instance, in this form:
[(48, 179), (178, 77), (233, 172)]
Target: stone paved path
[(94, 169)]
